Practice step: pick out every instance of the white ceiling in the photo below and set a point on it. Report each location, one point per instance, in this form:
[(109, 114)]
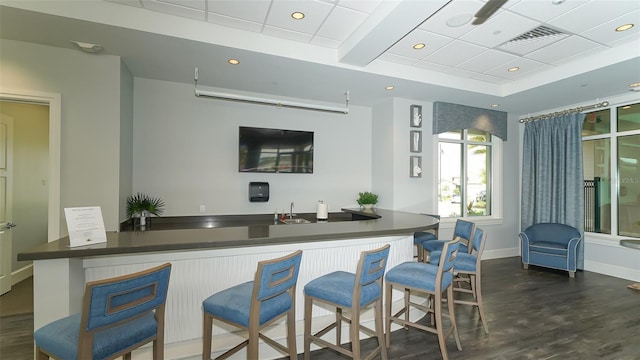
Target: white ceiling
[(358, 45)]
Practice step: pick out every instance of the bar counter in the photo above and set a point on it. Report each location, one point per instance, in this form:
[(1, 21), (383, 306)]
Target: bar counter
[(206, 234), (207, 260)]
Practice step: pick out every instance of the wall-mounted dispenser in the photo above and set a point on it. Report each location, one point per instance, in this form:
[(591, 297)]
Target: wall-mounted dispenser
[(258, 191)]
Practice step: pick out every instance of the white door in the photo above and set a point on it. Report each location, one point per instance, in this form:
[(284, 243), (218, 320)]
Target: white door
[(6, 164)]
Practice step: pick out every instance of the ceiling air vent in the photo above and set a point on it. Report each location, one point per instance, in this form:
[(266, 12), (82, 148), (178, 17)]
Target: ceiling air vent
[(533, 40)]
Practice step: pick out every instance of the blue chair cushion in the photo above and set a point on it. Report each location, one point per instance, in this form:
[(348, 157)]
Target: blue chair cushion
[(337, 288), (60, 337), (437, 245), (548, 247), (463, 262), (422, 236), (417, 275), (234, 305)]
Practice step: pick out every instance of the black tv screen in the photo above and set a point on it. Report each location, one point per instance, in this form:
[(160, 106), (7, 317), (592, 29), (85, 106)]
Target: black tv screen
[(275, 150)]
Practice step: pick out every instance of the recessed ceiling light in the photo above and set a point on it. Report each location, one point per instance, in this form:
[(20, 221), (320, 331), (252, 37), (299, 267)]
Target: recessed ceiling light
[(297, 15), (233, 61), (557, 2), (624, 27), (626, 107), (459, 20), (388, 87), (87, 47), (419, 46), (495, 105), (513, 69), (635, 84)]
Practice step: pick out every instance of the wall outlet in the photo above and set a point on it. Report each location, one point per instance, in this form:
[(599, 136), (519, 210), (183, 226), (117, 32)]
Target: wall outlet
[(202, 209)]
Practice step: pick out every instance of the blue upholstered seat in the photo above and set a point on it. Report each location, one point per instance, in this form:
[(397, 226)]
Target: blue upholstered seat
[(271, 295), (434, 281), (421, 236), (551, 245), (119, 315), (468, 268), (341, 290), (462, 231)]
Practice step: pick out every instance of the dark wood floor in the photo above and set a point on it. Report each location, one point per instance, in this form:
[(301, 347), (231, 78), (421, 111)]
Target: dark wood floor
[(534, 314)]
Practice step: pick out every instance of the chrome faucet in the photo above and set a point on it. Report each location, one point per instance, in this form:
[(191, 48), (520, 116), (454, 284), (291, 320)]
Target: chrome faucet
[(291, 211)]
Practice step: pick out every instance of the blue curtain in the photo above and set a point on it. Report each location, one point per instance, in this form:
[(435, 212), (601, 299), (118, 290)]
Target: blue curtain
[(552, 176)]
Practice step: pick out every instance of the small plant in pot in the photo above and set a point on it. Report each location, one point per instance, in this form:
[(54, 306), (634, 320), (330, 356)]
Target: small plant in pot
[(367, 199), (142, 206)]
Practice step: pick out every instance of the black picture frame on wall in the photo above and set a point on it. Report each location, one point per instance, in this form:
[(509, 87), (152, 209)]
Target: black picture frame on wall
[(415, 166), (415, 116), (415, 141)]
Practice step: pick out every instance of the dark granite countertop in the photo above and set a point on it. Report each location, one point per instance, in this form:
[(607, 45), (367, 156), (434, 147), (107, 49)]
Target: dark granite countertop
[(380, 222)]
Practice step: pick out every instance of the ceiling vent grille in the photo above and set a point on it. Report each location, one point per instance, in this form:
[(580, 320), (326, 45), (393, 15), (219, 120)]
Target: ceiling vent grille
[(539, 32), (532, 40)]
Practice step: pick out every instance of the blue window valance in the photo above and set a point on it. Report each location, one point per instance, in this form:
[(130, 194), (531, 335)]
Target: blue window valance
[(449, 117)]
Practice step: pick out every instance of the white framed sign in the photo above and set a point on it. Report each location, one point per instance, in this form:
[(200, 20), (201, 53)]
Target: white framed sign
[(85, 225)]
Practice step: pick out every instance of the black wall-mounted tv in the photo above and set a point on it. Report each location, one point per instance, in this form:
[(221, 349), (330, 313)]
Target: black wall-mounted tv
[(275, 150)]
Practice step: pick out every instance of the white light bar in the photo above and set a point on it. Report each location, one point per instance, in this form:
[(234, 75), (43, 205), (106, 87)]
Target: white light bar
[(265, 101)]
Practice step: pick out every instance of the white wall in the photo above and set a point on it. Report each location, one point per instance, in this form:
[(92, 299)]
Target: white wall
[(186, 152), (126, 139), (89, 85)]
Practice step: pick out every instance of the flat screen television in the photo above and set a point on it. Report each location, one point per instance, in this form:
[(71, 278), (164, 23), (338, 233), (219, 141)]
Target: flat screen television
[(275, 150)]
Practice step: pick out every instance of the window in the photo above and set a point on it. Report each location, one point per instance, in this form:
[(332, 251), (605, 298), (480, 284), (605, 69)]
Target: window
[(611, 159), (464, 176)]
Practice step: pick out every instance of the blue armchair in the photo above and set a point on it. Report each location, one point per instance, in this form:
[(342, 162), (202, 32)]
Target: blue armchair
[(551, 245)]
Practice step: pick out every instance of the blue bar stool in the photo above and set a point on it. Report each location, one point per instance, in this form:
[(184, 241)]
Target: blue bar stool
[(462, 232), (467, 268), (118, 315), (344, 290), (421, 236), (432, 280), (255, 304)]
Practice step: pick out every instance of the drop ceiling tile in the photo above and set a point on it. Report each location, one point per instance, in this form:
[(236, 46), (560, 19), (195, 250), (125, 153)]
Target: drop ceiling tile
[(366, 6), (172, 9), (593, 14), (286, 34), (397, 59), (315, 14), (632, 40), (526, 66), (499, 29), (606, 34), (193, 4), (325, 42), (563, 50), (341, 23), (432, 42), (433, 66), (489, 79), (487, 60), (454, 53), (252, 10), (456, 12), (234, 22), (544, 10)]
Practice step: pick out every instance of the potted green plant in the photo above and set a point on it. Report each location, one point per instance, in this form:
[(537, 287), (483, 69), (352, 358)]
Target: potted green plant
[(367, 199), (142, 206)]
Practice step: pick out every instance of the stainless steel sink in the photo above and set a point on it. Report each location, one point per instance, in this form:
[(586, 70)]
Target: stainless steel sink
[(295, 221)]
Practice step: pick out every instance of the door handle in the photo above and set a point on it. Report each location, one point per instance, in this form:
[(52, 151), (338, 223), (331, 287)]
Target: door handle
[(10, 225)]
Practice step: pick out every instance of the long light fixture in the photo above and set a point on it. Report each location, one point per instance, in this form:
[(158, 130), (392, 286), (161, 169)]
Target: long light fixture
[(267, 101)]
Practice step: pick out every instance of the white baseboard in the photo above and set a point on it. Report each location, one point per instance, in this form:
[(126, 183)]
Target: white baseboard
[(612, 270), (21, 274), (500, 253)]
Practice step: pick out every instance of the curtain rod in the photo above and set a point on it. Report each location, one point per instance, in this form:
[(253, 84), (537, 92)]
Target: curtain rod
[(564, 112), (266, 101)]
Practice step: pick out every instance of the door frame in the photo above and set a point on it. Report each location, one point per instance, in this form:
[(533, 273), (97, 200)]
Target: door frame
[(54, 101)]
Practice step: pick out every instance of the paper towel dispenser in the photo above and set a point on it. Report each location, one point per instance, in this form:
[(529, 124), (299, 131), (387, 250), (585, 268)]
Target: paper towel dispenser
[(258, 191)]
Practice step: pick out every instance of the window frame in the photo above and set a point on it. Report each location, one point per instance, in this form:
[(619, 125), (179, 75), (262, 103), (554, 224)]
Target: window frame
[(495, 176), (613, 135)]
